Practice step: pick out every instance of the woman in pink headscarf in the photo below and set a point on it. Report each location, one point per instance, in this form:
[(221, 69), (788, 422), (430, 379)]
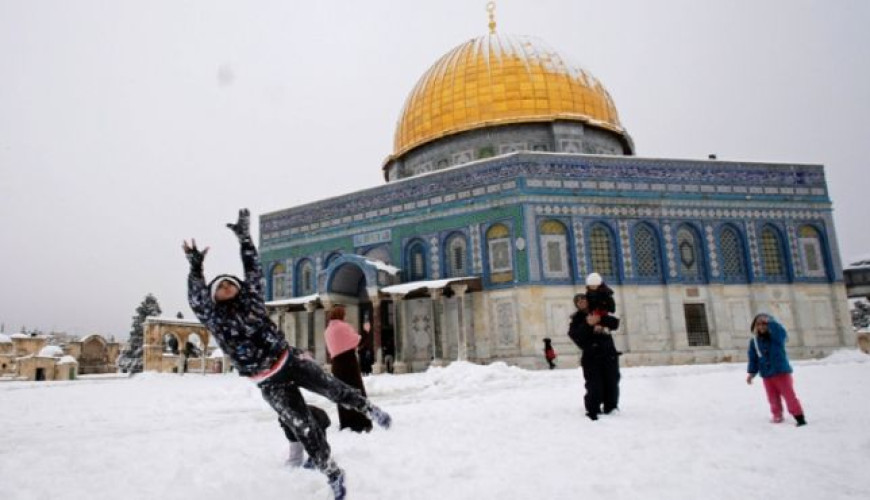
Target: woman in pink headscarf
[(341, 343)]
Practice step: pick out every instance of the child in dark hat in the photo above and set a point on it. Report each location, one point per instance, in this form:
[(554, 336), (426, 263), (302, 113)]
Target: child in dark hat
[(234, 311)]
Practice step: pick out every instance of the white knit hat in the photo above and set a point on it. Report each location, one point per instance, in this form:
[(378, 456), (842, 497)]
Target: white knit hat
[(594, 279), (215, 283)]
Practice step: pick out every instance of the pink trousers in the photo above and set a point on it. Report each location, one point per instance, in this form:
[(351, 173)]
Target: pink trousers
[(781, 387)]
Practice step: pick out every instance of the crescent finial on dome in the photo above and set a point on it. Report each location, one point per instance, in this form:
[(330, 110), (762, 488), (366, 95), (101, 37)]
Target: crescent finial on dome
[(490, 8)]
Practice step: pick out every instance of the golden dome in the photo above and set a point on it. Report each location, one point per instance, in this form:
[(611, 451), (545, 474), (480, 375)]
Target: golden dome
[(499, 79)]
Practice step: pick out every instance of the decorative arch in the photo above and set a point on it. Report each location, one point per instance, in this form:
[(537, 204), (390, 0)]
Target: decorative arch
[(349, 274), (646, 253), (331, 258), (690, 254)]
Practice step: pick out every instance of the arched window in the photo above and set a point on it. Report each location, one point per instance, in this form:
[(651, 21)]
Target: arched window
[(498, 244), (602, 252), (305, 278), (689, 254), (647, 258), (811, 252), (772, 256), (554, 249), (456, 255), (279, 276), (732, 251), (416, 263)]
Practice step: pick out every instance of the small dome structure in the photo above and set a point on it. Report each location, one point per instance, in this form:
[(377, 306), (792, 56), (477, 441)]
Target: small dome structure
[(51, 351)]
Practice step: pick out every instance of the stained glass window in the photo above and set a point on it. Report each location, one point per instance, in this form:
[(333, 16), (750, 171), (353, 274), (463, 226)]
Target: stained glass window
[(457, 256), (733, 261), (278, 281), (646, 253), (772, 259), (601, 251)]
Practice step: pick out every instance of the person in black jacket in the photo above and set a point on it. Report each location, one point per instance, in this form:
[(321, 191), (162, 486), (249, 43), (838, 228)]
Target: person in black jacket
[(234, 311), (599, 360)]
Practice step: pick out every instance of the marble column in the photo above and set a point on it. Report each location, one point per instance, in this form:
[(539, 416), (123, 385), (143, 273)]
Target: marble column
[(399, 365), (461, 339), (310, 307), (378, 366), (435, 297)]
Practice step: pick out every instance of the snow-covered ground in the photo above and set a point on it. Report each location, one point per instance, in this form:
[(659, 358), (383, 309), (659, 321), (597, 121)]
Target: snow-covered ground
[(461, 432)]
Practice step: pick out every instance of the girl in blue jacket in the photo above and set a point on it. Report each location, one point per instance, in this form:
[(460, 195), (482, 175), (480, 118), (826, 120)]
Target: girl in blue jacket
[(768, 358)]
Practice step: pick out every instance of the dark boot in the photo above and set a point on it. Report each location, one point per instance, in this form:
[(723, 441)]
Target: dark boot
[(592, 416), (800, 420)]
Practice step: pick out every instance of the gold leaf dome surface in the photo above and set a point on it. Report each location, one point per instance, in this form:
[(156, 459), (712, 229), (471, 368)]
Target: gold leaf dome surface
[(498, 79)]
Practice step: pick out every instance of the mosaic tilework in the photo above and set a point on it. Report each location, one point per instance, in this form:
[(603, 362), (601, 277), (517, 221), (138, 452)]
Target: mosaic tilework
[(435, 257), (626, 248), (580, 246), (553, 173), (476, 253), (712, 254), (669, 250), (792, 235), (754, 255)]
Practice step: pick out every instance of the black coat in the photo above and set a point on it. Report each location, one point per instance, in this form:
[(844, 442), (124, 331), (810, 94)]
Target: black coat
[(594, 345)]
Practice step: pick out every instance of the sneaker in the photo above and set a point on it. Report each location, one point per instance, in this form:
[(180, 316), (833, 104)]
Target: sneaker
[(776, 420), (381, 417), (337, 485)]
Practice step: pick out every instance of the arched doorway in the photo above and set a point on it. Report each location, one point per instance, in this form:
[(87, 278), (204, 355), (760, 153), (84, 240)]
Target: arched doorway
[(353, 280)]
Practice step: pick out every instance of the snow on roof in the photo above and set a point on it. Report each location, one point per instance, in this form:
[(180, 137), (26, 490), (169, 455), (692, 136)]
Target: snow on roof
[(68, 360), (51, 351), (406, 288), (5, 339), (383, 266), (175, 321), (20, 336), (859, 262), (217, 353), (294, 300)]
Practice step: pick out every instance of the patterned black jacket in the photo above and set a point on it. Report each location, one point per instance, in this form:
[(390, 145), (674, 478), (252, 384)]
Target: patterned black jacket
[(241, 326)]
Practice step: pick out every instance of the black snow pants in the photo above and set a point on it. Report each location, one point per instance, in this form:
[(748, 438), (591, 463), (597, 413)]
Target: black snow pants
[(602, 383), (281, 391)]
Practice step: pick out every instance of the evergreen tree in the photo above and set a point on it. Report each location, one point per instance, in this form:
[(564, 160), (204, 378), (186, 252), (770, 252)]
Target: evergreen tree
[(131, 360), (861, 314)]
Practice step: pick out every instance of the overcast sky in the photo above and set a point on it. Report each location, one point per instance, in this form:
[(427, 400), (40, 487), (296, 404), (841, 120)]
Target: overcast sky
[(128, 126)]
